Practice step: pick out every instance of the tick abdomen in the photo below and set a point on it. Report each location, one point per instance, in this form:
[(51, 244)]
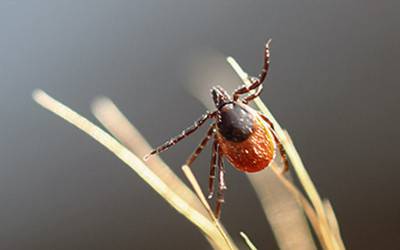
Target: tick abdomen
[(252, 154), (244, 139)]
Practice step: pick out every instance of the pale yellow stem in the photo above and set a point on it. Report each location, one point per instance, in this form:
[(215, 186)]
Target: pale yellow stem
[(118, 125), (193, 181), (282, 210), (330, 241), (136, 164), (248, 241)]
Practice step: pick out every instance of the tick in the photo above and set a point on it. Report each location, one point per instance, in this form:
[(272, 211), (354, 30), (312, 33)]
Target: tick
[(242, 135)]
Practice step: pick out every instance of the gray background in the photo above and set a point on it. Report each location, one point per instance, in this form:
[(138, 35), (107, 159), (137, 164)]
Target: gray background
[(334, 84)]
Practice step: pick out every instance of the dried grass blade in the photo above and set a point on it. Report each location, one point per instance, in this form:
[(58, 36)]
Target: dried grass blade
[(298, 165), (333, 223), (118, 125), (135, 163), (193, 181), (283, 211), (328, 239), (248, 242)]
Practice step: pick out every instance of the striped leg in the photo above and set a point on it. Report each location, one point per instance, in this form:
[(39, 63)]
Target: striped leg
[(213, 164), (282, 151), (171, 142), (202, 144), (254, 95), (257, 81), (221, 186)]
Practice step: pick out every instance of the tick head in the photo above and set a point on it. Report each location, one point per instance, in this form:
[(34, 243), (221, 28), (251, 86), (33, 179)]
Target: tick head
[(220, 96)]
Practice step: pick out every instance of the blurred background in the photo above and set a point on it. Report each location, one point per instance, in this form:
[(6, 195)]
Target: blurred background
[(333, 83)]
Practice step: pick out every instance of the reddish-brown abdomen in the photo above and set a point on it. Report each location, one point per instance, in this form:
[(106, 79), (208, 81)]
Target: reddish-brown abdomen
[(253, 154)]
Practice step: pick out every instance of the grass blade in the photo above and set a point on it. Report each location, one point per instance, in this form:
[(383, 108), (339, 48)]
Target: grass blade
[(135, 163), (248, 241), (327, 238)]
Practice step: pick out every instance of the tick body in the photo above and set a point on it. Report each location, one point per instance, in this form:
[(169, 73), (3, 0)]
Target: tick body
[(244, 138), (240, 134)]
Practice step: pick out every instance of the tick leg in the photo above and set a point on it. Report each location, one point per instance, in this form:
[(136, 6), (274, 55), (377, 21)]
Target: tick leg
[(221, 186), (256, 81), (283, 154), (267, 120), (202, 144), (213, 164), (254, 95), (282, 150), (171, 142)]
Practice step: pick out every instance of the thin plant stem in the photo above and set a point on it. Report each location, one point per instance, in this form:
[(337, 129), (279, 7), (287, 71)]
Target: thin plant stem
[(121, 128), (328, 239), (115, 122), (193, 181), (204, 224), (282, 209), (332, 220), (293, 155), (308, 209), (248, 242)]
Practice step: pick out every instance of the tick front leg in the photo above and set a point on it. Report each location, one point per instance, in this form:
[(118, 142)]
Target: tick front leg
[(171, 142), (254, 95), (221, 186), (256, 81)]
